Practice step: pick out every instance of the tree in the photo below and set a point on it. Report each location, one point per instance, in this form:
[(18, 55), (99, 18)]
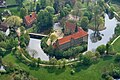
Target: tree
[(64, 62), (45, 20), (53, 37), (22, 30), (50, 9), (84, 23), (38, 61), (2, 37), (13, 21), (87, 58), (50, 50), (31, 6), (96, 12), (43, 4), (56, 6), (64, 12), (117, 58), (59, 62), (77, 7), (23, 12), (97, 54), (11, 44), (3, 49), (107, 48), (101, 49), (37, 8), (53, 61), (88, 14), (49, 2), (88, 1), (100, 21)]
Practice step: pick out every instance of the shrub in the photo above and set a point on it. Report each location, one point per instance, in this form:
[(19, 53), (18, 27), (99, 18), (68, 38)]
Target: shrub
[(117, 58), (72, 72), (101, 49)]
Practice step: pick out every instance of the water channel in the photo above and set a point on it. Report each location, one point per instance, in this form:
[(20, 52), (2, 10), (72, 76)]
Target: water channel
[(108, 33)]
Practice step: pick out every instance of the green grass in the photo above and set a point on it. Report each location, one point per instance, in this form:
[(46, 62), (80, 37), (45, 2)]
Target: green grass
[(10, 2), (116, 45), (93, 72), (5, 77), (13, 10)]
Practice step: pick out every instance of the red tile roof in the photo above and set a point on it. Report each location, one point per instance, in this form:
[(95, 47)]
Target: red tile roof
[(81, 33), (70, 26), (30, 19)]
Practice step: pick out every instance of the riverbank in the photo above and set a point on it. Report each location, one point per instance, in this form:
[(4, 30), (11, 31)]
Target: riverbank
[(116, 44)]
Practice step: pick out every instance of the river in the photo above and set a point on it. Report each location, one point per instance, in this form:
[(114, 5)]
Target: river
[(35, 48)]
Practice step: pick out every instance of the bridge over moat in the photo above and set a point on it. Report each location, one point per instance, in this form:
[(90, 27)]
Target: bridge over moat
[(37, 35)]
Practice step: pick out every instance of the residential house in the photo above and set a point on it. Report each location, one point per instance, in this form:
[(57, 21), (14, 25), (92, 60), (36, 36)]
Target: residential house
[(75, 38), (4, 28), (30, 19)]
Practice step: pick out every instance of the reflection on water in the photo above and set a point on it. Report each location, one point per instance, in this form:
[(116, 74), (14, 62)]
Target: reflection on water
[(107, 33), (2, 68)]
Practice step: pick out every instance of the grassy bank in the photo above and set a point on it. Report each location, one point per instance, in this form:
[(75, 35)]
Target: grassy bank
[(116, 45)]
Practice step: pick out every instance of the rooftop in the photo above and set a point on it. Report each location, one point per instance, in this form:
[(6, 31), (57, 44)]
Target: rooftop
[(3, 27), (81, 33), (30, 18)]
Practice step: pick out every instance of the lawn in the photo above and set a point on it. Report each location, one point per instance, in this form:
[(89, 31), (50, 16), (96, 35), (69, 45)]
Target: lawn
[(116, 45), (13, 10), (91, 73)]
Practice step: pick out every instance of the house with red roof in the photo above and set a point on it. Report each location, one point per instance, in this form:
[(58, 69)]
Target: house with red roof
[(30, 19), (75, 38)]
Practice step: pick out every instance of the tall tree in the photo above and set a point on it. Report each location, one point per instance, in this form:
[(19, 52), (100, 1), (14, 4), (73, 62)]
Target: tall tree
[(50, 9), (38, 62), (37, 8), (43, 3), (23, 12), (84, 23), (56, 6), (0, 61), (45, 20)]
